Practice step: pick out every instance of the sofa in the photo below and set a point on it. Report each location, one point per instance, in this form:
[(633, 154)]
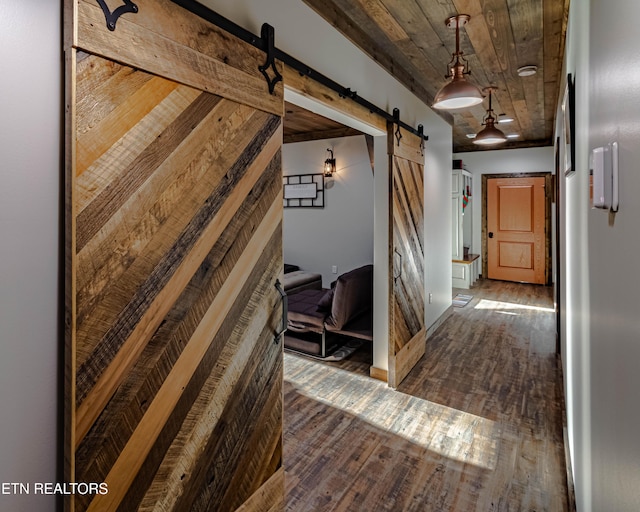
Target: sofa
[(295, 280), (318, 317)]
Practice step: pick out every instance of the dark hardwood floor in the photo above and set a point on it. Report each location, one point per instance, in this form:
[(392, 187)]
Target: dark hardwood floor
[(476, 426)]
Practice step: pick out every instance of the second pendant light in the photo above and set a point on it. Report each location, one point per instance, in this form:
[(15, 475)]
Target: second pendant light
[(489, 134)]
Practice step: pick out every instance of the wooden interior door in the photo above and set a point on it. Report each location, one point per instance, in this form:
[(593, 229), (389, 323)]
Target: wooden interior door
[(173, 394), (407, 336), (516, 238)]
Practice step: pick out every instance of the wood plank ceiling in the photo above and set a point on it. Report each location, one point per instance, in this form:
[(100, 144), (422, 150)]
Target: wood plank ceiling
[(410, 39), (302, 125)]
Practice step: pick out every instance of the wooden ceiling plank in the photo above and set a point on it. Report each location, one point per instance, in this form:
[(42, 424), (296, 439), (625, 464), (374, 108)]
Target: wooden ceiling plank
[(409, 38), (298, 119), (522, 114), (550, 98), (555, 19), (393, 40), (411, 17), (534, 98), (333, 14), (510, 93), (437, 13), (383, 19), (434, 78), (555, 28), (334, 133), (479, 35), (527, 29)]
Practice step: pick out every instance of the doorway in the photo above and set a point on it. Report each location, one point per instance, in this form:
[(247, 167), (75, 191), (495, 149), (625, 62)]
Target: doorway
[(516, 227)]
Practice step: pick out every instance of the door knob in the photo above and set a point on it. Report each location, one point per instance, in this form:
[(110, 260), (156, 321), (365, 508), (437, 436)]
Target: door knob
[(490, 234)]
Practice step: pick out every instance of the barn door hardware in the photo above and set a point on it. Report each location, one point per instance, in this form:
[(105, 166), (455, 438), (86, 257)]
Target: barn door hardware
[(266, 44), (112, 17), (421, 135), (285, 313), (396, 277), (396, 120), (268, 36)]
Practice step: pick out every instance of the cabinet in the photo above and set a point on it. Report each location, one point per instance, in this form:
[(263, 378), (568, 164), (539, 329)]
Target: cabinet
[(465, 265)]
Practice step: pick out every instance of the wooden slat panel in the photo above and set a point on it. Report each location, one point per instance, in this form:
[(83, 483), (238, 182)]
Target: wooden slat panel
[(174, 216), (406, 254), (140, 313), (379, 374), (268, 498), (203, 57), (70, 270), (404, 144), (407, 357)]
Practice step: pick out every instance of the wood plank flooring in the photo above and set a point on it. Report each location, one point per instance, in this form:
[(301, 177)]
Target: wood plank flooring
[(476, 426)]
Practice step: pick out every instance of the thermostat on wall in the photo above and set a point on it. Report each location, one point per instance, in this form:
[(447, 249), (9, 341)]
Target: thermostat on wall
[(603, 166), (615, 185), (600, 169)]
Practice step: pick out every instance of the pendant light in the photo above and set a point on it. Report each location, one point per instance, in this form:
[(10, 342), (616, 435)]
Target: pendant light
[(458, 92), (489, 134)]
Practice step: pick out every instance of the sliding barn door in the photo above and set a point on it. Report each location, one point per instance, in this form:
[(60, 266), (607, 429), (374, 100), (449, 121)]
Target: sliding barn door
[(407, 337), (174, 208)]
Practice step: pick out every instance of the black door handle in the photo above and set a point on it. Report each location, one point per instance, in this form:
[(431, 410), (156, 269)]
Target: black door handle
[(285, 312), (396, 277), (490, 234)]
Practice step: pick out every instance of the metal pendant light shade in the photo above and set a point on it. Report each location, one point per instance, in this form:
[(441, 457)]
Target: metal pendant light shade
[(458, 92), (489, 134)]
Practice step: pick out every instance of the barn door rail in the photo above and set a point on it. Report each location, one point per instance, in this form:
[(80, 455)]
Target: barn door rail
[(266, 44)]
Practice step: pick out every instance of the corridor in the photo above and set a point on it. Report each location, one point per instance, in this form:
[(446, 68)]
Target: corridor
[(476, 426)]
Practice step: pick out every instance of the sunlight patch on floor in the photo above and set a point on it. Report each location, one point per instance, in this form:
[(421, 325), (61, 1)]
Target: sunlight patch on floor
[(494, 304), (449, 432)]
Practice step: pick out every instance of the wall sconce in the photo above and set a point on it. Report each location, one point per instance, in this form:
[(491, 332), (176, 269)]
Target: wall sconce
[(329, 164), (458, 92), (489, 134)]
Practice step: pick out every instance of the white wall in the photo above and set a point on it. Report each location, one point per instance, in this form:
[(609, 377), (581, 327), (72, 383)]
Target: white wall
[(341, 233), (575, 260), (30, 147), (603, 326), (500, 162), (303, 34)]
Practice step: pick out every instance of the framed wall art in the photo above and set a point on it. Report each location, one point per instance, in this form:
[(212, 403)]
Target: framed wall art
[(303, 190), (569, 126)]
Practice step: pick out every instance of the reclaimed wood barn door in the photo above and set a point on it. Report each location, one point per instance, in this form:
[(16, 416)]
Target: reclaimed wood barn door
[(173, 246), (407, 336)]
